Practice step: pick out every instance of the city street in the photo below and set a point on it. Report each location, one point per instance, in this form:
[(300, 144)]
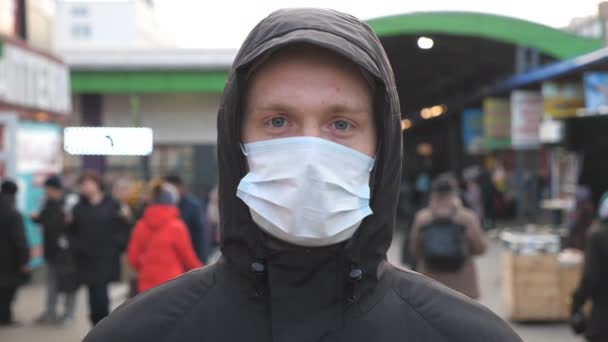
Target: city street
[(31, 298)]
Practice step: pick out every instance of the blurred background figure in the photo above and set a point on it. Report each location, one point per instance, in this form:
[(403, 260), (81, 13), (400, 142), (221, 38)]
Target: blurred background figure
[(213, 219), (473, 194), (445, 237), (57, 255), (192, 214), (489, 194), (581, 218), (14, 252), (594, 284), (160, 248), (99, 233), (405, 218)]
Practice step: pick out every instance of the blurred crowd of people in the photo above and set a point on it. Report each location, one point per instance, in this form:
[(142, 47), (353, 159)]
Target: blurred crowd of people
[(444, 222), (145, 234)]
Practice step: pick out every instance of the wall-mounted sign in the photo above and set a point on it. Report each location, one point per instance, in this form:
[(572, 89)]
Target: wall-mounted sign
[(125, 141), (562, 99), (32, 80), (472, 130), (496, 123), (39, 148), (551, 131), (526, 115), (596, 92)]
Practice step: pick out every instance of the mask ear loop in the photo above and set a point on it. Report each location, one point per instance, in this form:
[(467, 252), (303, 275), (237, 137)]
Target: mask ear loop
[(243, 149)]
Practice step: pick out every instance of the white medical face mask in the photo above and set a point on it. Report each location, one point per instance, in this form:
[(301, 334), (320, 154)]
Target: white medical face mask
[(306, 191)]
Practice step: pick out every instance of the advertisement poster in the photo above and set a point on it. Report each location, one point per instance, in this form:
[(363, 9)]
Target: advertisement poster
[(472, 130), (596, 92), (497, 123), (526, 116), (39, 154), (562, 99)]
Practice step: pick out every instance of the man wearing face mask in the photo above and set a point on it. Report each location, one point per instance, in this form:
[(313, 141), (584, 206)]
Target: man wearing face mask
[(309, 146)]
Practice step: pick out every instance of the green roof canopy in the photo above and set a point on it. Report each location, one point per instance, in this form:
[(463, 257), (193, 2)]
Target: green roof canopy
[(553, 42)]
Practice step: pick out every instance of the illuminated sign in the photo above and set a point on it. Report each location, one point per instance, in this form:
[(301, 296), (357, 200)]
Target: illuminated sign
[(120, 141)]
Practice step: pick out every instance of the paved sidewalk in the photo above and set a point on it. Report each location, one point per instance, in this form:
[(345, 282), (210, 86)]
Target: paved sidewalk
[(30, 303)]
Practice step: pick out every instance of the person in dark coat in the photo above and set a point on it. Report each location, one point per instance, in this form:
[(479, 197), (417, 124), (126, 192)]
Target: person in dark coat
[(52, 219), (594, 283), (309, 135), (191, 212), (580, 219), (14, 252), (98, 234)]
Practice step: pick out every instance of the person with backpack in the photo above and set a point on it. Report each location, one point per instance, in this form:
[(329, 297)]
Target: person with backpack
[(160, 248), (445, 237)]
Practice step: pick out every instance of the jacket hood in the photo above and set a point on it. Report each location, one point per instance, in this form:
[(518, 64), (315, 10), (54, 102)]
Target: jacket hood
[(156, 216), (242, 242)]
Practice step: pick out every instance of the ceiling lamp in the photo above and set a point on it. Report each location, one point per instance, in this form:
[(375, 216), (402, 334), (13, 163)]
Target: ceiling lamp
[(406, 124), (425, 43)]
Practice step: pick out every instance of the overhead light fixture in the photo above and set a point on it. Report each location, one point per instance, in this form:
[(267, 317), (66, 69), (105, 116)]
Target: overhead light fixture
[(425, 43), (426, 113), (406, 124), (436, 111)]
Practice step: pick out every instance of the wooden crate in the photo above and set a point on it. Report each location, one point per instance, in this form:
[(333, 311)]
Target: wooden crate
[(532, 287)]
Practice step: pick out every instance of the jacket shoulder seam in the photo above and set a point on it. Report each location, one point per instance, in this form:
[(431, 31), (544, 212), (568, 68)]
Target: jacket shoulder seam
[(417, 311)]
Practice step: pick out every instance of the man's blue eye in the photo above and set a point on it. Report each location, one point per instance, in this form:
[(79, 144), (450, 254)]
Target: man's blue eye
[(278, 122), (341, 125)]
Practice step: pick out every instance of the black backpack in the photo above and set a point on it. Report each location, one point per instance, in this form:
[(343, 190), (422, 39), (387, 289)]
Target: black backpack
[(444, 244)]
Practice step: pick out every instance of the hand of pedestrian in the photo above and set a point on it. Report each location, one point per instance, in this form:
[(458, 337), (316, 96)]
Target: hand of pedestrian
[(577, 323), (34, 216)]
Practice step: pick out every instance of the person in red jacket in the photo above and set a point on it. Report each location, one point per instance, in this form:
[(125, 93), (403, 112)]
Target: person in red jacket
[(160, 248)]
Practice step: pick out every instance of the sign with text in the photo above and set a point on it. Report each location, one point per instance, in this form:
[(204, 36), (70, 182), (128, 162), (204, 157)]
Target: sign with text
[(120, 141), (526, 116), (33, 80)]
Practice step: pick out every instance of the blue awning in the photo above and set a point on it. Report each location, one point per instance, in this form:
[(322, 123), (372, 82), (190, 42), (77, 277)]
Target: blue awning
[(550, 71)]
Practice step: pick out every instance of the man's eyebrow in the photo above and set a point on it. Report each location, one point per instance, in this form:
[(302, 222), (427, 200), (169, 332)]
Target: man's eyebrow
[(273, 107)]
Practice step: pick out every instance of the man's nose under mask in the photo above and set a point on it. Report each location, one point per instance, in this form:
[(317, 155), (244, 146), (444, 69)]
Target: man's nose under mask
[(306, 191)]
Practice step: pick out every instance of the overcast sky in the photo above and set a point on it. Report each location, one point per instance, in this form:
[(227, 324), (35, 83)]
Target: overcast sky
[(225, 23)]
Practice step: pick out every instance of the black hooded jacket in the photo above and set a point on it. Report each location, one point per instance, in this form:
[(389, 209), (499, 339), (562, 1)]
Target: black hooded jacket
[(346, 292)]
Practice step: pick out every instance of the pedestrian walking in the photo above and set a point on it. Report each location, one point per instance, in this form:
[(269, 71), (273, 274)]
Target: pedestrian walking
[(309, 147), (594, 283), (192, 214), (98, 235), (160, 248), (445, 238), (14, 252), (59, 262)]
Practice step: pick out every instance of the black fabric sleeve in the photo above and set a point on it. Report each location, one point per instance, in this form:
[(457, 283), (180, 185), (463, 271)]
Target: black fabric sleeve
[(17, 232), (589, 280)]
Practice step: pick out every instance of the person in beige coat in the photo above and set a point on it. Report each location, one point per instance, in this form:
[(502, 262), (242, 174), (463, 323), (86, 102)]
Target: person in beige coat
[(445, 203)]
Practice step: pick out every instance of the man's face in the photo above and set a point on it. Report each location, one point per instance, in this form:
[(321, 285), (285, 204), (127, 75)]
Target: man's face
[(306, 91), (52, 193), (88, 187)]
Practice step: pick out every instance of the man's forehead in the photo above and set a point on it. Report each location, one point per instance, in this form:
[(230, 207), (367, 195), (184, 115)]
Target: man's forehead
[(310, 53)]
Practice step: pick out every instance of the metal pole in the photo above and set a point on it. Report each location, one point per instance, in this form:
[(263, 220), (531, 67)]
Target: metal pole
[(144, 165)]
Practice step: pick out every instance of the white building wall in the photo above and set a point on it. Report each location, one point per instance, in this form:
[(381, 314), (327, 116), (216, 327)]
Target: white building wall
[(105, 25), (40, 24), (7, 17), (177, 119)]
